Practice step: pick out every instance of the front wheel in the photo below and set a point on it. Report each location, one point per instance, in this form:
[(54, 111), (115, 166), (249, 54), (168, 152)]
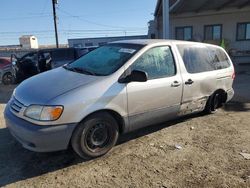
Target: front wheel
[(95, 136)]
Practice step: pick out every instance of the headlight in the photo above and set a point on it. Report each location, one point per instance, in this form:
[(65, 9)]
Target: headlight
[(43, 113)]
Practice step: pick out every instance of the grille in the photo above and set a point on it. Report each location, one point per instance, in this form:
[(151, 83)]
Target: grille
[(16, 106)]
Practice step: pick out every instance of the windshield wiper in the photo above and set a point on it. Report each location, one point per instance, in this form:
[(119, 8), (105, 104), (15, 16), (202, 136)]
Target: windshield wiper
[(79, 70), (66, 67), (84, 71)]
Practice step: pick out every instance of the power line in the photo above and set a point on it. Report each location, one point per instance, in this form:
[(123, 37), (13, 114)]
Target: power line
[(73, 31), (44, 6), (23, 18), (91, 22)]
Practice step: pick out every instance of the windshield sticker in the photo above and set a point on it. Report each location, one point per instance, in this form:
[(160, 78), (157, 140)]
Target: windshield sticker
[(127, 50)]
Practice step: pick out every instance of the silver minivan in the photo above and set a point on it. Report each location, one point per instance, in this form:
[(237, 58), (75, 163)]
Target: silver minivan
[(115, 89)]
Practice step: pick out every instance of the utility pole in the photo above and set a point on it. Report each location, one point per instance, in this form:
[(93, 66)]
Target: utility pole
[(166, 24), (54, 2)]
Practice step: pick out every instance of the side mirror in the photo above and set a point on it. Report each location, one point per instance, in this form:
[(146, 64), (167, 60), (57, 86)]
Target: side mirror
[(134, 76), (13, 63)]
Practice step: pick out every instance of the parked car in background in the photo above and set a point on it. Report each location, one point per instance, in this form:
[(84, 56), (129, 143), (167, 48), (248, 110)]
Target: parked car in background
[(5, 71), (43, 60), (115, 89), (85, 50)]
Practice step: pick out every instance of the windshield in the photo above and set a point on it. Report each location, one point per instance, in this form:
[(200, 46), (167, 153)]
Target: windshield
[(104, 60)]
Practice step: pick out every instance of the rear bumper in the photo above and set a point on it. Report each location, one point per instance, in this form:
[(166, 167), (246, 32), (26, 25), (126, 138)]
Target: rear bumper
[(230, 94), (38, 138)]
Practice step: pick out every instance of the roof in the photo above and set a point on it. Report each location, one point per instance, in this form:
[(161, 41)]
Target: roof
[(155, 41), (142, 41), (183, 6)]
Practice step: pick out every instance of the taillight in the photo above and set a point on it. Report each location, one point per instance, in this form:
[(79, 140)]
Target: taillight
[(233, 75)]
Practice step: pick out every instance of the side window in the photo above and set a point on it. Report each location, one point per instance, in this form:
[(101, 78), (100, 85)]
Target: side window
[(32, 57), (243, 31), (219, 58), (63, 54), (184, 33), (213, 32), (88, 44), (196, 58), (157, 62)]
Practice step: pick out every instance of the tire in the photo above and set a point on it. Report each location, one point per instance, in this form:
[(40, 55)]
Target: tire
[(213, 103), (95, 136), (7, 78)]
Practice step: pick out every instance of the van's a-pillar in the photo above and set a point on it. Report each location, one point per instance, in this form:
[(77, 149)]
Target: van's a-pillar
[(165, 15)]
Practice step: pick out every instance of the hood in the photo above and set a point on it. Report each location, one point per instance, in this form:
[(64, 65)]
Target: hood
[(44, 87)]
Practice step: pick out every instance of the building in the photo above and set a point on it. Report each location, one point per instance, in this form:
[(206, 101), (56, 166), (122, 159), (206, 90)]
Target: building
[(100, 41), (28, 42), (210, 21)]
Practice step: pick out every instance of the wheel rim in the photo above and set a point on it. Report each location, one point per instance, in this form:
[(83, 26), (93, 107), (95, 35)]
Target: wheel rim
[(98, 137)]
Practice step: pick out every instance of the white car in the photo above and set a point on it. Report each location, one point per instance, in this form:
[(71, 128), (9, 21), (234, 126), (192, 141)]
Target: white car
[(118, 88)]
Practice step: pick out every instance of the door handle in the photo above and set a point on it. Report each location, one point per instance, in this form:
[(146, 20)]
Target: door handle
[(189, 82), (175, 84)]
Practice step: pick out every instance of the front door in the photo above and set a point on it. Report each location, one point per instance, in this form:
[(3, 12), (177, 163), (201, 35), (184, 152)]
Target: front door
[(159, 98)]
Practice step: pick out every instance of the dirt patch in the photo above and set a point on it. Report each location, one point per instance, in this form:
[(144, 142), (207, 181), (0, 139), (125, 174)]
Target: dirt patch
[(5, 93)]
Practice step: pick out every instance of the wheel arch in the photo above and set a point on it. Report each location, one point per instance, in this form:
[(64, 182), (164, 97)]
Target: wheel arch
[(223, 95), (5, 73), (120, 120)]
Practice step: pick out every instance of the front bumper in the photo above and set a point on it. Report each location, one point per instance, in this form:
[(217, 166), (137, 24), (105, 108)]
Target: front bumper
[(38, 138)]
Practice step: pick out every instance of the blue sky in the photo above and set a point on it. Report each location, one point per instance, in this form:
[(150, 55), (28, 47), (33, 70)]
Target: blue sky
[(76, 19)]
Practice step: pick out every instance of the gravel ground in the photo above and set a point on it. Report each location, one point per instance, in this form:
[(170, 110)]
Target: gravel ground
[(208, 157)]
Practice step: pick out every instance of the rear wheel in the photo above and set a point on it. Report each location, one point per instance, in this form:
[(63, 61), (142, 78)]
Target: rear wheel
[(95, 136), (213, 103), (7, 78)]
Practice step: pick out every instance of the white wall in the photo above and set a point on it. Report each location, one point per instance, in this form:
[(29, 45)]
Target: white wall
[(28, 42), (228, 19)]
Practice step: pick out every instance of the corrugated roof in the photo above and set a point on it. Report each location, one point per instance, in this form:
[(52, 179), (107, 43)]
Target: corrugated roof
[(159, 4), (202, 5)]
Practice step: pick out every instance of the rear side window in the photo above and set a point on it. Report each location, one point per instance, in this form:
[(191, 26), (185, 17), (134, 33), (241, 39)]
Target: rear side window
[(157, 62), (218, 58), (199, 58)]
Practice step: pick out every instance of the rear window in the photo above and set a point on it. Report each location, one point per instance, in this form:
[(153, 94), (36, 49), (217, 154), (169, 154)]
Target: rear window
[(200, 58), (63, 54)]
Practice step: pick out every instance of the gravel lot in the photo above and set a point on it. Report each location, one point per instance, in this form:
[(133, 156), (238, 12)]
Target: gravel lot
[(209, 156)]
